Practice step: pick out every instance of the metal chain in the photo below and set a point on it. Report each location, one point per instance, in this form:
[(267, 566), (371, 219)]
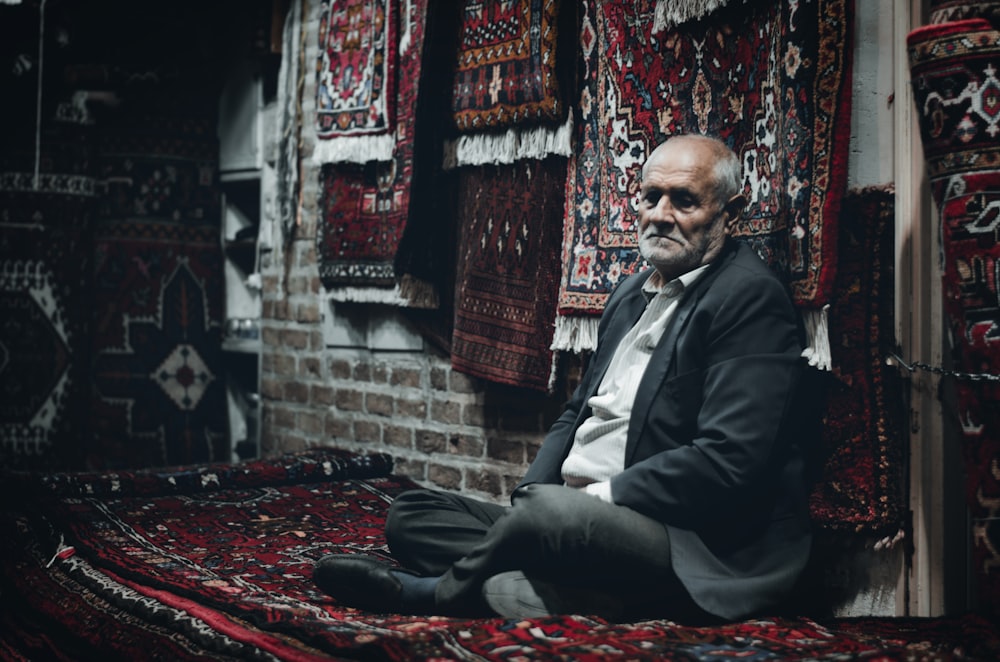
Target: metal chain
[(894, 359)]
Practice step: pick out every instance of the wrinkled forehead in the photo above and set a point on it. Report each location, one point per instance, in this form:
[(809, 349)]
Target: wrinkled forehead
[(701, 148), (681, 160)]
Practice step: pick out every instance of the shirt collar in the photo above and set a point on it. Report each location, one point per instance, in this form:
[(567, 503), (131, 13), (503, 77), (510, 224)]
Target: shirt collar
[(654, 283)]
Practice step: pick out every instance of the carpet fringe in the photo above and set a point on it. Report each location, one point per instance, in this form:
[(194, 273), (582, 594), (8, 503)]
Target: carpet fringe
[(409, 293), (406, 36), (579, 334), (671, 13), (354, 149), (817, 338), (362, 294), (510, 146), (550, 387), (575, 334)]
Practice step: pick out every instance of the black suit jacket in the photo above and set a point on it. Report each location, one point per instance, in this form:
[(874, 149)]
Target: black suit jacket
[(714, 448)]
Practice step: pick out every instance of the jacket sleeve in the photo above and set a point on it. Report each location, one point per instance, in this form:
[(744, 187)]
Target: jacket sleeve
[(714, 433)]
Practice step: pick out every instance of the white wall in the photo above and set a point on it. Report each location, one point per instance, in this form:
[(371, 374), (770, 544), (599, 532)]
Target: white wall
[(871, 145)]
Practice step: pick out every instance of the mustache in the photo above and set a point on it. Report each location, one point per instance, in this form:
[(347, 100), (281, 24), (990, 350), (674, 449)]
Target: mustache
[(651, 232)]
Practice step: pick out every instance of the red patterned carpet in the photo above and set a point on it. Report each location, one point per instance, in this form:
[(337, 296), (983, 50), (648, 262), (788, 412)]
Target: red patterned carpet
[(780, 98), (508, 50), (508, 271), (213, 562), (860, 487), (365, 194)]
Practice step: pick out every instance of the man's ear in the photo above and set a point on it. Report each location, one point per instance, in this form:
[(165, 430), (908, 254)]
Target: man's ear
[(734, 208)]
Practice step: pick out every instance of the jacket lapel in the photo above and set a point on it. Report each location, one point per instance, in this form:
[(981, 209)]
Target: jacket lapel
[(659, 362), (630, 310)]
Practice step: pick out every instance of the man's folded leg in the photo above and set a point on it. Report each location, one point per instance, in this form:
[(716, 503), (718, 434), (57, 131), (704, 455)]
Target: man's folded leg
[(427, 531), (513, 594), (571, 548), (557, 550)]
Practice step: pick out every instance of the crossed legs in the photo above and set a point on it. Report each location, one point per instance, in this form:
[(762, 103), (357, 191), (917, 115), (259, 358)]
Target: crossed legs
[(552, 533)]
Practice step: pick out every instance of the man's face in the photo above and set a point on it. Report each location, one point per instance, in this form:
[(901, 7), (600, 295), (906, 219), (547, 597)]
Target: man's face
[(682, 225)]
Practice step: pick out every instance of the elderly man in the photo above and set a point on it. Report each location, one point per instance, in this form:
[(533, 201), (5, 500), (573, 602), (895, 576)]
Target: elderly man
[(673, 484)]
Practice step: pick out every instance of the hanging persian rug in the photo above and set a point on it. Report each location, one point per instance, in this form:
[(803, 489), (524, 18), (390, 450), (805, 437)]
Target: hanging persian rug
[(861, 487), (356, 80), (365, 208), (508, 270), (159, 391), (954, 72), (508, 95), (771, 79), (45, 232)]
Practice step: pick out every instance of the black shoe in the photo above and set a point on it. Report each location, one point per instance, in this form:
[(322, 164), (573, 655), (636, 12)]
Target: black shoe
[(356, 580), (514, 595)]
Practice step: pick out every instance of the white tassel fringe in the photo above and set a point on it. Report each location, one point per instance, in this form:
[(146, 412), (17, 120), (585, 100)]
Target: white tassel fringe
[(575, 334), (510, 146), (671, 13), (409, 293), (579, 334), (356, 149), (817, 338)]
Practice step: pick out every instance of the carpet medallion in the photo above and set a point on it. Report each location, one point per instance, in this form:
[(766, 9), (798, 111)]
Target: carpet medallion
[(779, 96), (157, 358), (34, 353), (954, 72)]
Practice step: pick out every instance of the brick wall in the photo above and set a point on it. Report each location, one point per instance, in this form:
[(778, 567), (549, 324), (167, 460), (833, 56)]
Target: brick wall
[(442, 427)]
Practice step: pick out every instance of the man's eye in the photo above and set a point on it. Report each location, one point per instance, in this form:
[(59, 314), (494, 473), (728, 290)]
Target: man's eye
[(683, 201)]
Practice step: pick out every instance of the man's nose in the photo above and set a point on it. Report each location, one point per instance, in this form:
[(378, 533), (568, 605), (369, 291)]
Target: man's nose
[(662, 211)]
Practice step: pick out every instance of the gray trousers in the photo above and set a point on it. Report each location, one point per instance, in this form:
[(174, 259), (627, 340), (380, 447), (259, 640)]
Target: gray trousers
[(553, 533)]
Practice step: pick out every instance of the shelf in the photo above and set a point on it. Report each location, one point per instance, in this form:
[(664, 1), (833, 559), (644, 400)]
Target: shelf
[(242, 345), (242, 129), (249, 175)]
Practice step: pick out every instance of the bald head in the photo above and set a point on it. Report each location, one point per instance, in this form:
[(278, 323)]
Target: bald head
[(726, 169)]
